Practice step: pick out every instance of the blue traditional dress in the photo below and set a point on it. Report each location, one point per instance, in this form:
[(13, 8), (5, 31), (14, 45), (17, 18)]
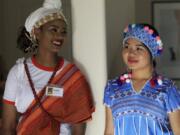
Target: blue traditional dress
[(145, 112)]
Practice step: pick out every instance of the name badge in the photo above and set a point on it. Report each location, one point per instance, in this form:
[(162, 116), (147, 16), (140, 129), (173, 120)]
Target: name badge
[(54, 91)]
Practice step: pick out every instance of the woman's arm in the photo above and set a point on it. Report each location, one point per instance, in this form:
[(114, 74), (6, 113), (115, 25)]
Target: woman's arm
[(9, 119), (109, 128), (174, 118), (78, 129)]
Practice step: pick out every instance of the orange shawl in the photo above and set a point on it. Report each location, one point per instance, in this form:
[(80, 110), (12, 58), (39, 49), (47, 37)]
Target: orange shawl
[(75, 106)]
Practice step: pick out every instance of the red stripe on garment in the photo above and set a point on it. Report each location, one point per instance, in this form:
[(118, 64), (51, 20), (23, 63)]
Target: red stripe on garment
[(46, 68), (8, 102)]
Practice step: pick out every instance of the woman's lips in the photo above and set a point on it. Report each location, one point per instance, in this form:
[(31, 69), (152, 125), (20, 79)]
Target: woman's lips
[(132, 61), (57, 43)]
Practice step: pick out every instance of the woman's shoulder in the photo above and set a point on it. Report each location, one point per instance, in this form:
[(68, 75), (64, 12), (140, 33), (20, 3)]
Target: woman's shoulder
[(72, 65), (18, 64), (113, 81), (18, 68), (118, 83), (66, 61), (168, 83), (20, 60)]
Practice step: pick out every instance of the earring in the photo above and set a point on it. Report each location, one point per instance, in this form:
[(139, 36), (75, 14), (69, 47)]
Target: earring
[(33, 46)]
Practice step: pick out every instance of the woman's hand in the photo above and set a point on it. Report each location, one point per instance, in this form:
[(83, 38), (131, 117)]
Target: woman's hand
[(174, 118), (9, 119), (109, 127), (78, 129)]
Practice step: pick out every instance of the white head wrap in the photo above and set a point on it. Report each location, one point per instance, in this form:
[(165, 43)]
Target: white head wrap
[(49, 7)]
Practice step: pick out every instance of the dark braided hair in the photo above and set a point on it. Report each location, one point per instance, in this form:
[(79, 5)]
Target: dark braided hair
[(24, 42)]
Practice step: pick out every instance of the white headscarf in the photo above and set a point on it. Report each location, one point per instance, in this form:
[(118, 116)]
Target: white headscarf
[(49, 7)]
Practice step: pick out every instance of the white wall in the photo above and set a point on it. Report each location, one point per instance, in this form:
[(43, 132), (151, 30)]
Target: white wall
[(97, 28), (89, 51)]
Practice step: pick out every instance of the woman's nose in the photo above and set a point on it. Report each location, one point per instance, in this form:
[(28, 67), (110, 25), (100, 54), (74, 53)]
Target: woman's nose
[(60, 35), (132, 50)]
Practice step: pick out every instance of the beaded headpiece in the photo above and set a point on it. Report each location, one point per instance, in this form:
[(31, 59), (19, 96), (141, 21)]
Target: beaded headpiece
[(145, 35)]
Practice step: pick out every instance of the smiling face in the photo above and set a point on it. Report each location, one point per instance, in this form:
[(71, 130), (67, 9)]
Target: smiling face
[(135, 55), (51, 36)]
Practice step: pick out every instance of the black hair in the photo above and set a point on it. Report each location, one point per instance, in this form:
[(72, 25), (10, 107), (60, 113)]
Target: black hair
[(151, 27), (24, 42), (151, 57)]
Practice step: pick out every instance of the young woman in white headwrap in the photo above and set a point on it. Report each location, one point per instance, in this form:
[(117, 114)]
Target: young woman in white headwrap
[(45, 94)]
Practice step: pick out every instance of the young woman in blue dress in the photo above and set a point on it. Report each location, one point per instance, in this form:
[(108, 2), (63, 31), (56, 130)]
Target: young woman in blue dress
[(140, 101)]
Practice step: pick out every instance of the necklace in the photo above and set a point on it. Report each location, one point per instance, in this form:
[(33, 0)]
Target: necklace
[(155, 79)]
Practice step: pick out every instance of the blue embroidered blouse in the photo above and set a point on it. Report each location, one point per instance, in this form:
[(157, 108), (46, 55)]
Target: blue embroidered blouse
[(144, 112)]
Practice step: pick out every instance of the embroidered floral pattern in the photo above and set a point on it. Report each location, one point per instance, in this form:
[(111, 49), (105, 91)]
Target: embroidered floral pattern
[(149, 108)]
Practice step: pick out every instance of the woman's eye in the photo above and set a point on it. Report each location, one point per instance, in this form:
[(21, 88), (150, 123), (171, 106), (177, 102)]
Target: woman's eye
[(64, 32), (139, 48), (54, 30), (125, 46)]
